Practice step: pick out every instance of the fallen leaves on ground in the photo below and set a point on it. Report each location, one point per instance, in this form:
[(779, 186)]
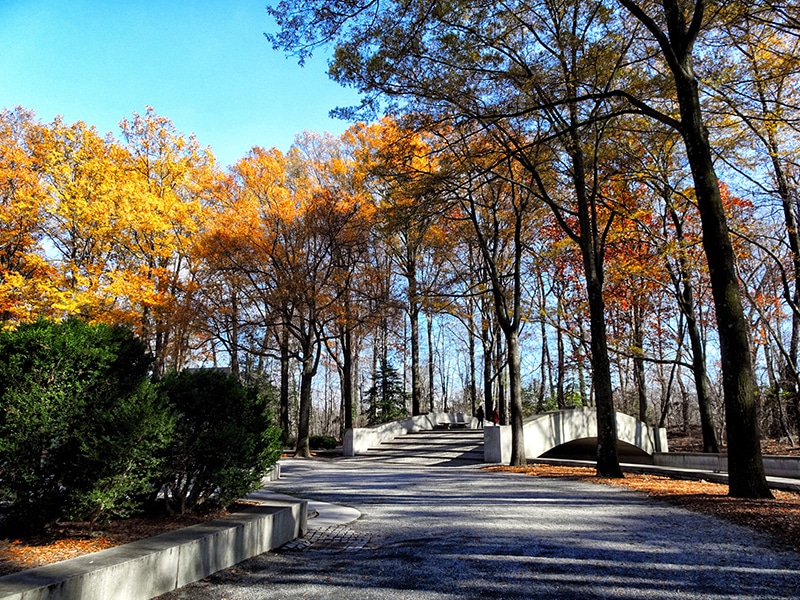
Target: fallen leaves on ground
[(778, 518), (73, 539)]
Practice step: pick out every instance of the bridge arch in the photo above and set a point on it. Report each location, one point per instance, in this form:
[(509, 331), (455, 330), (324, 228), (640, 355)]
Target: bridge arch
[(572, 433)]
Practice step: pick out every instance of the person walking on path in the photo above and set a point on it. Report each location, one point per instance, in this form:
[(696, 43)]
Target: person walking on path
[(480, 416), (496, 417)]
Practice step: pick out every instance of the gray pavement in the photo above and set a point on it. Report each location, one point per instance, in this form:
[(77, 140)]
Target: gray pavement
[(444, 533)]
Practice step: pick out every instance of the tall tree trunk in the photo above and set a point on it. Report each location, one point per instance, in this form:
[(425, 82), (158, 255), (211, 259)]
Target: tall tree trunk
[(488, 396), (686, 304), (638, 361), (607, 458), (413, 315), (561, 360), (304, 418), (790, 380), (745, 465), (515, 392), (546, 368), (284, 383), (592, 257), (348, 386), (310, 361), (746, 476), (234, 341), (500, 361), (473, 387), (429, 323), (775, 392)]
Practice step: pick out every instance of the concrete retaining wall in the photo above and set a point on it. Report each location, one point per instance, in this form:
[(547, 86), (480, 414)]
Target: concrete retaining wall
[(154, 566), (359, 440), (774, 466)]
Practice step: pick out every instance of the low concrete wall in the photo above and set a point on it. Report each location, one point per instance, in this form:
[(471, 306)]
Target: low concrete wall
[(148, 568), (774, 466), (273, 475), (359, 440)]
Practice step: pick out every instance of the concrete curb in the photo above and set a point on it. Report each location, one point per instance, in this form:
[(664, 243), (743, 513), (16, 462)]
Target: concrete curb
[(320, 514), (154, 566)]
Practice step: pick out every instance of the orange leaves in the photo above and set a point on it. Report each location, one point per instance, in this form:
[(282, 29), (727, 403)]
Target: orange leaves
[(24, 273), (18, 555), (93, 228)]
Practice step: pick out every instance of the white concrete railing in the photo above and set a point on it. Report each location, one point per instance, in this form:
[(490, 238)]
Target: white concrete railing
[(545, 431), (359, 440)]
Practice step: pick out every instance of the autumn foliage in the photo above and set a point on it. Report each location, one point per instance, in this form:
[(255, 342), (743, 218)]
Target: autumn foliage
[(455, 255)]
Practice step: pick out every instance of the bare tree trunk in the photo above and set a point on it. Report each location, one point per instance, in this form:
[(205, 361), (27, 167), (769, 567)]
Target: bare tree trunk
[(560, 399), (348, 386), (429, 321), (413, 315), (686, 303), (488, 396), (515, 385), (638, 361), (284, 382), (745, 465), (473, 387), (310, 348)]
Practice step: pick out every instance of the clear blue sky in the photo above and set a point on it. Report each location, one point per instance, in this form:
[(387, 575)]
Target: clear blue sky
[(205, 64)]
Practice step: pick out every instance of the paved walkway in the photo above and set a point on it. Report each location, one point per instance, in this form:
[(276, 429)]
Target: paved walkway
[(439, 533)]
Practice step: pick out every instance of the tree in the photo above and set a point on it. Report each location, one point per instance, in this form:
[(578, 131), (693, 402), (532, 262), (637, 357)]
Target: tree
[(499, 210), (237, 249), (675, 26), (172, 179), (400, 159), (86, 183), (387, 398), (754, 79), (26, 278)]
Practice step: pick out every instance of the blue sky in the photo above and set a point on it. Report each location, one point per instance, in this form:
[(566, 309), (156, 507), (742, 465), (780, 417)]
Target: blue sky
[(205, 64)]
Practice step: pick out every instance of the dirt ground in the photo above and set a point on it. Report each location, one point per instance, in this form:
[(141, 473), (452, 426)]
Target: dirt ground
[(778, 518)]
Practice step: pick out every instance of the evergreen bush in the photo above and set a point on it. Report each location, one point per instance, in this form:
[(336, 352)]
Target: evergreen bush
[(81, 426), (322, 442), (224, 440)]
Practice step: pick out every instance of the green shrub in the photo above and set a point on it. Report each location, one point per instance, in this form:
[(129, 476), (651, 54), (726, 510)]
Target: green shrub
[(80, 426), (224, 441), (322, 442)]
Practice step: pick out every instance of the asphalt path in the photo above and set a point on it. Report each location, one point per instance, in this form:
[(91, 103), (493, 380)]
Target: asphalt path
[(443, 533)]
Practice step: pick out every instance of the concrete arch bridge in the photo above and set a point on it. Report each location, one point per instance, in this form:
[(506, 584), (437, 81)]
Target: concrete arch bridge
[(572, 433)]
